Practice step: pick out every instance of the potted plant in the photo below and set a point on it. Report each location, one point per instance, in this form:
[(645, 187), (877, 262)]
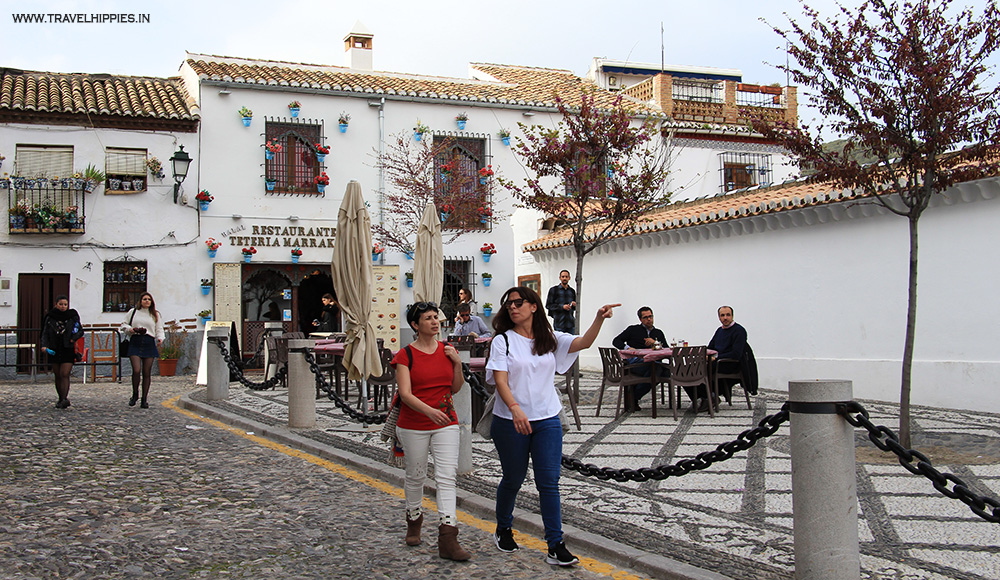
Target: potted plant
[(18, 213), (487, 309), (213, 247), (446, 210), (171, 349), (294, 107), (409, 279), (504, 135), (205, 315), (343, 121), (419, 130), (488, 250), (70, 217), (408, 251), (377, 250), (270, 148), (321, 152), (248, 253), (322, 180), (155, 167), (485, 213), (204, 198), (206, 286), (296, 254), (246, 114), (485, 173), (487, 278), (461, 119), (269, 183), (93, 177)]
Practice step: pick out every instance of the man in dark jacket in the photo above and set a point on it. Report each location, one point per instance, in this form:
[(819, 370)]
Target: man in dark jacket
[(642, 335), (561, 305), (731, 341)]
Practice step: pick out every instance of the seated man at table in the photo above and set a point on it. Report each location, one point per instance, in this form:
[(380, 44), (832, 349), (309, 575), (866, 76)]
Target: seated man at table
[(642, 335), (468, 324), (731, 341)]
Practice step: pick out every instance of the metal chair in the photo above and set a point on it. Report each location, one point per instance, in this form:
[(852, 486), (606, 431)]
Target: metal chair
[(689, 368), (567, 389), (616, 373), (735, 374), (383, 387)]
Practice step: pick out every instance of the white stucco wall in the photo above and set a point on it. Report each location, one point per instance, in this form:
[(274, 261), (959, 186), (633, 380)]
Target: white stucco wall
[(822, 293), (695, 168), (147, 226)]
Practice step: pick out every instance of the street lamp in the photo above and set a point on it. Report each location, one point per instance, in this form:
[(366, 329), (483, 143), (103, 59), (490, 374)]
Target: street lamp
[(181, 162)]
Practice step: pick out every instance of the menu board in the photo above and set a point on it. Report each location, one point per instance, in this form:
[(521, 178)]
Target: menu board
[(385, 305), (228, 292)]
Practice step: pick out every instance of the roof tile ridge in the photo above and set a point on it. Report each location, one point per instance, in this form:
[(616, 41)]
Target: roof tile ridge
[(524, 67)]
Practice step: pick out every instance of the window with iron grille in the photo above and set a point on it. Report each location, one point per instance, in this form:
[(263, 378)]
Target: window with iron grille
[(43, 161), (125, 169), (603, 172), (295, 166), (457, 186), (124, 283), (741, 170), (698, 90)]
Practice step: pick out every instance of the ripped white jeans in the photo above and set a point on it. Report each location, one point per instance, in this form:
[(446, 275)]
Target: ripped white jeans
[(443, 445)]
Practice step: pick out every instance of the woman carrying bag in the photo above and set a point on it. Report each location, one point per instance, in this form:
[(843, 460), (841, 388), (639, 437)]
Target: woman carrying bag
[(145, 329), (428, 373), (526, 410), (61, 329)]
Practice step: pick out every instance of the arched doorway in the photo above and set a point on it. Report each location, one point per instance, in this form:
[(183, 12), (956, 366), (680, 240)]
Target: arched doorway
[(310, 306)]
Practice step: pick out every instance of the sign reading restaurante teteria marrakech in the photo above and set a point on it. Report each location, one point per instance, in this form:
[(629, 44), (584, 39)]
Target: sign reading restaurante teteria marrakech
[(282, 236)]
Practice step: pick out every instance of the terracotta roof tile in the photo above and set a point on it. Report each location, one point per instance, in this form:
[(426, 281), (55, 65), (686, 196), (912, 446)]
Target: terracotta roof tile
[(94, 94), (732, 206), (494, 83)]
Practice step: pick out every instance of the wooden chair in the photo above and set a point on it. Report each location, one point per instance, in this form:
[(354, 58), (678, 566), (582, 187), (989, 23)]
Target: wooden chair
[(104, 351), (689, 368), (732, 369), (616, 374), (382, 387)]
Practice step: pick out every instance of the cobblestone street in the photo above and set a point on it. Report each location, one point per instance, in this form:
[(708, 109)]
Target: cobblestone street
[(102, 490)]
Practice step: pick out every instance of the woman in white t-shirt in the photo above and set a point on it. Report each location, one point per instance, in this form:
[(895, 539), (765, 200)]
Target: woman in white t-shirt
[(524, 357)]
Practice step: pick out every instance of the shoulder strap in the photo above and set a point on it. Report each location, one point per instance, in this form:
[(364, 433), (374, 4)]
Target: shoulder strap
[(409, 358), (506, 341), (131, 318)]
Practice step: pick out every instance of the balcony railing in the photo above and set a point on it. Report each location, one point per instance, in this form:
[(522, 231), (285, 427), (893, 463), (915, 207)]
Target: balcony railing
[(45, 206)]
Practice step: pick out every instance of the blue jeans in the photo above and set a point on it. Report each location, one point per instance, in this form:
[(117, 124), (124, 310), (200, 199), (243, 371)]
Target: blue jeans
[(544, 446)]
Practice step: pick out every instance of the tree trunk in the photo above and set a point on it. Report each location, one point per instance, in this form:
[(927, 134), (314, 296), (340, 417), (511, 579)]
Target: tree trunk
[(911, 328), (579, 285)]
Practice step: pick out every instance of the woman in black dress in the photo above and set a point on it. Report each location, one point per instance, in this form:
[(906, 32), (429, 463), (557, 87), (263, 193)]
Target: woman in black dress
[(61, 329)]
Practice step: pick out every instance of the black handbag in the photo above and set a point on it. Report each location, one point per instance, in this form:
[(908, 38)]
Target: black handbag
[(123, 345)]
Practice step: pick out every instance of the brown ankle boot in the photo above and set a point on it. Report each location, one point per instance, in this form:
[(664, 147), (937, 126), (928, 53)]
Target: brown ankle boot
[(448, 547), (413, 530)]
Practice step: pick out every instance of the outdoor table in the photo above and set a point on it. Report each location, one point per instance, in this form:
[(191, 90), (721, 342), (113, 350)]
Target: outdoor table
[(654, 356), (31, 350)]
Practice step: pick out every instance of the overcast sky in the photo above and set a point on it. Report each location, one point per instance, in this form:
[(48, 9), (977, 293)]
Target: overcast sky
[(439, 37)]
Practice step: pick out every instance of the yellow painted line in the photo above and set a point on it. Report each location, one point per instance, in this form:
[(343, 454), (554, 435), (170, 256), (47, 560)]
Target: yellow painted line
[(524, 540)]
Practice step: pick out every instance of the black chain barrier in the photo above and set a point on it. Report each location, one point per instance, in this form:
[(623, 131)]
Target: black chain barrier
[(745, 440), (258, 356), (322, 383), (234, 370), (886, 440)]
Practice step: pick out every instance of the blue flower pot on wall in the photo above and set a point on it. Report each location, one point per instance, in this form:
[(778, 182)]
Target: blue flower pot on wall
[(246, 121), (205, 290), (417, 135), (268, 154), (203, 205), (343, 127), (505, 141), (409, 282), (486, 257), (269, 185), (295, 259), (320, 187), (461, 125), (294, 111), (486, 281), (321, 157), (212, 253), (487, 312), (205, 319)]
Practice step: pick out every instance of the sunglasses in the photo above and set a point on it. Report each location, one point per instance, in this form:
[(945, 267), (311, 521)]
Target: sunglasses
[(515, 302), (421, 306)]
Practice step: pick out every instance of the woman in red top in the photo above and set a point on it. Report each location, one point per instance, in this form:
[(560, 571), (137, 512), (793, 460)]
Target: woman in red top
[(428, 422)]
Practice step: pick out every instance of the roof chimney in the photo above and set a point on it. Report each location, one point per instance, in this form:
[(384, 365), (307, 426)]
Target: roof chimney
[(358, 47)]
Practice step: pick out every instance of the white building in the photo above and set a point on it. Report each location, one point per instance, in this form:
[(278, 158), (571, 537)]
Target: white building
[(105, 247), (818, 277)]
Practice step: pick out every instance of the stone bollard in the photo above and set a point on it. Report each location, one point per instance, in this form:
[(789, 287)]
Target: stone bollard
[(824, 482), (301, 386), (463, 407), (217, 371)]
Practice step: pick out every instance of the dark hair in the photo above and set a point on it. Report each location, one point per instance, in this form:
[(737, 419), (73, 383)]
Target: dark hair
[(152, 306), (415, 310), (467, 293), (464, 307), (719, 311), (643, 309), (60, 297), (329, 296), (561, 271), (545, 341)]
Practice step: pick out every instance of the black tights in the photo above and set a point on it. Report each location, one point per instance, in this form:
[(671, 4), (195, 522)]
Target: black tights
[(61, 372), (146, 374)]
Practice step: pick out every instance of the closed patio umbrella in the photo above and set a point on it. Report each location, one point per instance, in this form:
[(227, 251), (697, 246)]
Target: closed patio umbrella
[(352, 277), (428, 260)]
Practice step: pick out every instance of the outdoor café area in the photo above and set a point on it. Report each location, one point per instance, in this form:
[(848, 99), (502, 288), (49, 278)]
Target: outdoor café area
[(668, 370)]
